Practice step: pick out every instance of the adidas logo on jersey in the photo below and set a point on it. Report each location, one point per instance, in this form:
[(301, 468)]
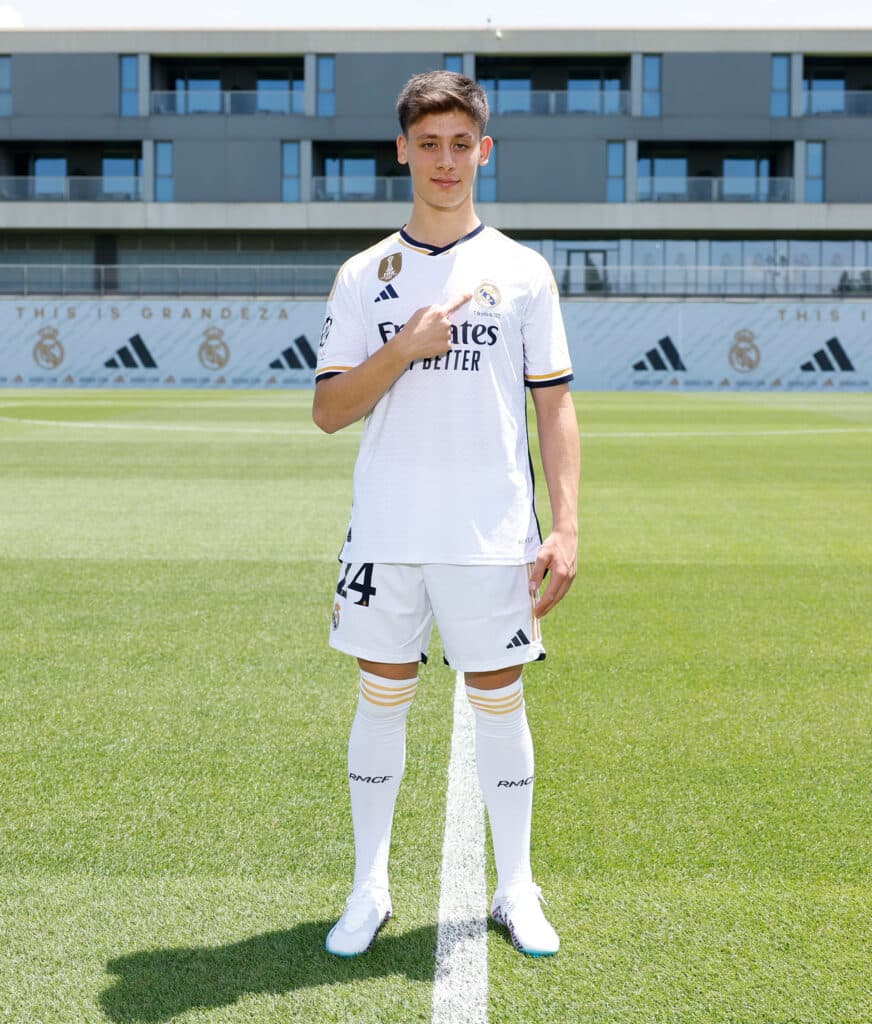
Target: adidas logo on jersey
[(662, 357), (387, 293), (134, 356), (520, 639), (827, 359)]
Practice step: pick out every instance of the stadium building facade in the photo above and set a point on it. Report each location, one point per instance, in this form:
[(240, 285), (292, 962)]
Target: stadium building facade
[(660, 165)]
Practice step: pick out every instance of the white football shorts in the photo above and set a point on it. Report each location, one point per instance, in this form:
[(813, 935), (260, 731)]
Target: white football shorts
[(385, 612)]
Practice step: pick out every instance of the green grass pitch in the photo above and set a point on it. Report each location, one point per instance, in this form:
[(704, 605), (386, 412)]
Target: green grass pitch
[(175, 824)]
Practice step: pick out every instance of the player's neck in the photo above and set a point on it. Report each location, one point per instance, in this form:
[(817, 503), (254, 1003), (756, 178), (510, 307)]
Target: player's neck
[(441, 227)]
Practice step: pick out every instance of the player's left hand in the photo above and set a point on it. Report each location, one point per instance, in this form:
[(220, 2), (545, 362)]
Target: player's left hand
[(559, 557)]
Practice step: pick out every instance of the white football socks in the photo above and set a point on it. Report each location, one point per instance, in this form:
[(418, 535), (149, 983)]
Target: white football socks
[(504, 755), (376, 761)]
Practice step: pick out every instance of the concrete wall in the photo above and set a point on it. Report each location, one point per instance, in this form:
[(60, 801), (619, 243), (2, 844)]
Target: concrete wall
[(700, 84), (234, 171), (58, 84), (846, 171), (368, 83)]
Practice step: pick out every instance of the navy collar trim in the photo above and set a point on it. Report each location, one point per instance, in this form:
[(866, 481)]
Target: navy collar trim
[(436, 250)]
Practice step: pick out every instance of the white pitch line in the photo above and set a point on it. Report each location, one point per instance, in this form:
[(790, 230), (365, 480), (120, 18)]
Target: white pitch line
[(312, 432), (460, 985), (170, 427), (727, 433)]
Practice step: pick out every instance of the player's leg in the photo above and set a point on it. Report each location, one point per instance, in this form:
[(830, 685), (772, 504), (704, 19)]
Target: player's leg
[(391, 617), (486, 621)]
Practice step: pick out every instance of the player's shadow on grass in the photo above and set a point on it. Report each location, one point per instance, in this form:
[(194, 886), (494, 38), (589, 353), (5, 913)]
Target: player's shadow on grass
[(158, 985)]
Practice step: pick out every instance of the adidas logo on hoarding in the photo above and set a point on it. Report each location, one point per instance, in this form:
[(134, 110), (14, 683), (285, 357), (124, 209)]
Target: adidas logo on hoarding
[(127, 356), (290, 358), (387, 293), (828, 358), (520, 639), (664, 356)]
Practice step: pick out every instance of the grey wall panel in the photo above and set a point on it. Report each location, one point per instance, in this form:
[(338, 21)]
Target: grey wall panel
[(254, 171), (367, 83), (58, 84), (525, 174), (200, 170), (846, 171), (229, 171), (703, 84)]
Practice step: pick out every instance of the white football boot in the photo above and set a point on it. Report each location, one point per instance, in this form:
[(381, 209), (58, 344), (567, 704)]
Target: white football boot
[(521, 912), (366, 910)]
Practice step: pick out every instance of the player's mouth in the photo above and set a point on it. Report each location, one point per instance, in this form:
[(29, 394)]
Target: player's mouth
[(445, 182)]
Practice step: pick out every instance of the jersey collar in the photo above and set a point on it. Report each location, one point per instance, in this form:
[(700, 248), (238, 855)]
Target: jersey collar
[(436, 250)]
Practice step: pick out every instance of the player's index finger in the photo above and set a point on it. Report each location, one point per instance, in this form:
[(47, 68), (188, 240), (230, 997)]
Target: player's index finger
[(455, 304)]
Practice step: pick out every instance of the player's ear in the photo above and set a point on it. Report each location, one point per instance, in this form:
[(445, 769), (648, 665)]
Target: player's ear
[(486, 147), (402, 151)]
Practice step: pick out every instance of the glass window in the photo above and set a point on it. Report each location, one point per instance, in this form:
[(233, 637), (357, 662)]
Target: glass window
[(50, 174), (5, 86), (454, 62), (121, 176), (487, 180), (129, 86), (615, 179), (164, 189), (651, 74), (326, 93), (826, 96), (779, 103), (290, 172), (508, 95), (273, 95), (814, 172)]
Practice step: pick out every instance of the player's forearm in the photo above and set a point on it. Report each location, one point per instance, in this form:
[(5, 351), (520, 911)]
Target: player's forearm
[(561, 458), (345, 398)]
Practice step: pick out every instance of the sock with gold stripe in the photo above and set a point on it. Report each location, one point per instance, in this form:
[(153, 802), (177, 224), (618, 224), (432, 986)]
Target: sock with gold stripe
[(504, 756), (376, 761)]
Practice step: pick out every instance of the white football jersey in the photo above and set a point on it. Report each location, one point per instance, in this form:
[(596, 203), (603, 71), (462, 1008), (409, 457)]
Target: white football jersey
[(444, 471)]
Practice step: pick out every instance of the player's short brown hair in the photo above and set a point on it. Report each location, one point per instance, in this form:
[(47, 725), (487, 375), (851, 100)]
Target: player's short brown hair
[(437, 92)]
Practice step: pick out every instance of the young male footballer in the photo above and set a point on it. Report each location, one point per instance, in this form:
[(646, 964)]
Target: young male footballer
[(433, 335)]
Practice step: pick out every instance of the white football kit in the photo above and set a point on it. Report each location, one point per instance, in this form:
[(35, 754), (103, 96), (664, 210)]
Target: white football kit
[(444, 474)]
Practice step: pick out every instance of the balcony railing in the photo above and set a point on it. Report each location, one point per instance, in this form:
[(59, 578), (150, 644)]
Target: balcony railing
[(598, 102), (715, 190), (315, 280), (217, 101), (362, 189), (851, 103), (43, 188)]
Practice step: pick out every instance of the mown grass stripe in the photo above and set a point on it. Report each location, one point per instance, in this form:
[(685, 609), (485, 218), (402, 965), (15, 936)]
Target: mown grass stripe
[(460, 986)]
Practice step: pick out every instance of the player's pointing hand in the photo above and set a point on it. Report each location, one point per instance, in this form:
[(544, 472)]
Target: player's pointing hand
[(428, 331)]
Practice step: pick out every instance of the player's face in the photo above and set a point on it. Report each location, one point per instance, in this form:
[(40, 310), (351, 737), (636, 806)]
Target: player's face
[(444, 152)]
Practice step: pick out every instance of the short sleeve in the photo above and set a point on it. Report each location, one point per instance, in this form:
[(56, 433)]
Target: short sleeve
[(546, 351), (343, 337)]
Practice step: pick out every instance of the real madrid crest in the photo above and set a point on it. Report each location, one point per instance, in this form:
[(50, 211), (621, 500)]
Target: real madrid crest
[(214, 352), (390, 266), (744, 352), (487, 294), (48, 352)]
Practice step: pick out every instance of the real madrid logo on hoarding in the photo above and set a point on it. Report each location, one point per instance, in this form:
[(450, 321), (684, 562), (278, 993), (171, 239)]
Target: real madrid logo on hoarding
[(48, 352), (744, 352), (390, 266), (214, 352), (487, 294)]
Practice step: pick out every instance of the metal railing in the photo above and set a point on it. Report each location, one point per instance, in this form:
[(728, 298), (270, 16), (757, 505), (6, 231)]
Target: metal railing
[(227, 102), (362, 189), (598, 102), (847, 102), (116, 188), (714, 190), (292, 281)]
